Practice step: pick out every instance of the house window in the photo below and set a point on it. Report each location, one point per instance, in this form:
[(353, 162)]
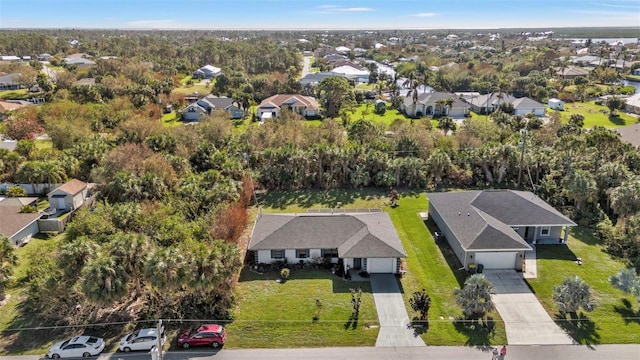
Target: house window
[(329, 253), (277, 254), (545, 231), (302, 253)]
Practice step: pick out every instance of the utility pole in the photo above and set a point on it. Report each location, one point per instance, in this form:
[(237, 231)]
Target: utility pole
[(159, 347), (524, 142)]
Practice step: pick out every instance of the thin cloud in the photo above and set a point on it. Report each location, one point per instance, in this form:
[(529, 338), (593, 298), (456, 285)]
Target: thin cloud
[(617, 5), (163, 23), (424, 15), (332, 9)]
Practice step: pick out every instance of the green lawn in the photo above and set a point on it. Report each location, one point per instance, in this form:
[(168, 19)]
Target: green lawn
[(361, 112), (281, 315), (427, 267), (171, 119), (595, 115), (617, 317), (13, 94)]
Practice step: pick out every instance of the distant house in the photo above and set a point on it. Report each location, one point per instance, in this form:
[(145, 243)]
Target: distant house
[(207, 72), (10, 58), (80, 62), (589, 60), (18, 227), (429, 104), (524, 105), (571, 72), (44, 57), (495, 227), (315, 78), (210, 103), (636, 72), (555, 104), (355, 71), (10, 82), (270, 107), (364, 241), (488, 103), (68, 196), (632, 104), (6, 107)]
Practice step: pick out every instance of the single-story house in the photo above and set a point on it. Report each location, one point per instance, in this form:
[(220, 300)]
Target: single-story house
[(632, 104), (555, 104), (68, 196), (525, 105), (44, 57), (496, 227), (10, 58), (270, 107), (315, 78), (589, 60), (208, 104), (358, 72), (571, 72), (80, 62), (8, 106), (207, 72), (636, 71), (18, 227), (486, 103), (367, 241), (10, 82), (429, 104)]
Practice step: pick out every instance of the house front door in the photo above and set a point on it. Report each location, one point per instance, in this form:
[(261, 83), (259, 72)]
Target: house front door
[(526, 233), (357, 263)]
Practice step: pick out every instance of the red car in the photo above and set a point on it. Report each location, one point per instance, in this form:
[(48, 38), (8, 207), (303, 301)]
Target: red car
[(206, 335)]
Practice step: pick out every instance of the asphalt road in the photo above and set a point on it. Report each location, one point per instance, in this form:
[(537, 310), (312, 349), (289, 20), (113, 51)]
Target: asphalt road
[(306, 65), (546, 352)]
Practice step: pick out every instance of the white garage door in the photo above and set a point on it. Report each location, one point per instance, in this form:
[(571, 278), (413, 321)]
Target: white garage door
[(496, 260), (380, 265)]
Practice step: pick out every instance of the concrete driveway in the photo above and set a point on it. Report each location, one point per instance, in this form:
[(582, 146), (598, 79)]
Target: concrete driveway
[(394, 320), (526, 321)]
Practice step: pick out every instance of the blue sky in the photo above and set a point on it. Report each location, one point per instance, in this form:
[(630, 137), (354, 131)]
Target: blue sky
[(316, 14)]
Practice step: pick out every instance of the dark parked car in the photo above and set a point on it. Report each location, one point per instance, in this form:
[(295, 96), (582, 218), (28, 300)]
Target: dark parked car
[(206, 335)]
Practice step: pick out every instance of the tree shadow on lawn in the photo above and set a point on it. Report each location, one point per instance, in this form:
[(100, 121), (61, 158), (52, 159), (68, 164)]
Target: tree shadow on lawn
[(555, 252), (452, 260), (585, 236), (478, 332), (616, 119), (333, 198), (582, 329), (627, 312)]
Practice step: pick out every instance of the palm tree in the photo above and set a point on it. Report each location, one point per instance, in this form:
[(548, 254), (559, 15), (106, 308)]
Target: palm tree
[(628, 281), (625, 199), (165, 269), (446, 124), (581, 187), (440, 163), (53, 171), (573, 294), (8, 259), (103, 280), (130, 250), (74, 255), (475, 296)]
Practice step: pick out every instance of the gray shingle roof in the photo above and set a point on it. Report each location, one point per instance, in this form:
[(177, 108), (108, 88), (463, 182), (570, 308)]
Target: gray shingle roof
[(483, 220), (354, 235)]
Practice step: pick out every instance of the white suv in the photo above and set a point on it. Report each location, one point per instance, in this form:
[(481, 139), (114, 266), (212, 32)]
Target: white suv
[(143, 339)]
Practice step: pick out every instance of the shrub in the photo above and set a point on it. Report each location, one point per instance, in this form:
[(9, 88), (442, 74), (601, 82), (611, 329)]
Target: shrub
[(284, 273), (28, 209), (16, 191)]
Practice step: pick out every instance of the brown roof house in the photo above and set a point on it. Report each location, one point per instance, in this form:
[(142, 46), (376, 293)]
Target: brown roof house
[(270, 107), (68, 196), (364, 240), (18, 227)]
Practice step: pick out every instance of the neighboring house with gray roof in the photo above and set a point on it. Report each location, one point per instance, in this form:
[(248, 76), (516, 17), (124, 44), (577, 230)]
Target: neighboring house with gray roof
[(208, 104), (18, 227), (495, 227), (366, 241), (524, 105), (630, 134), (428, 104)]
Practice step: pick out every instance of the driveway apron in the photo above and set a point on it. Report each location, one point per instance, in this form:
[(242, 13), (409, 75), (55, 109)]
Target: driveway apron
[(526, 321), (394, 320)]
